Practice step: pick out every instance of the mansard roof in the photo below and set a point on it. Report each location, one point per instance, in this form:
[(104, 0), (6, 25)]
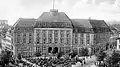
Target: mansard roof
[(78, 23), (99, 26), (98, 23), (54, 16), (40, 24), (81, 26), (53, 19), (25, 22)]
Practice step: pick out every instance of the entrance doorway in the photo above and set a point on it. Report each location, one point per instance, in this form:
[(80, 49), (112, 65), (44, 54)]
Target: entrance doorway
[(55, 50), (49, 49)]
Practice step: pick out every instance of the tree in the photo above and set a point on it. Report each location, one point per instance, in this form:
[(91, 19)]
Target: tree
[(100, 55), (6, 57), (113, 59), (84, 52)]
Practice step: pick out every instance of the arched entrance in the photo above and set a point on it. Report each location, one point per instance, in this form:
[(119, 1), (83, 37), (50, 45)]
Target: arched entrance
[(55, 50), (49, 49)]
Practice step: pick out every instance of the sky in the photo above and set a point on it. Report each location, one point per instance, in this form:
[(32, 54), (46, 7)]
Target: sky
[(12, 10)]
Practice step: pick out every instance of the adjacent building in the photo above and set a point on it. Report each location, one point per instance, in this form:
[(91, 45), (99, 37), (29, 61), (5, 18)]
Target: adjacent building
[(6, 42), (3, 24), (55, 32), (115, 36)]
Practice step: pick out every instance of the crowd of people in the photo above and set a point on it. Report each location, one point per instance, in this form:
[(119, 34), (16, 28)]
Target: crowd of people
[(54, 61)]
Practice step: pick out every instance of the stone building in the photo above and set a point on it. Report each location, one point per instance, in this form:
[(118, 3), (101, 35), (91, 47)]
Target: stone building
[(55, 31), (83, 34), (23, 36)]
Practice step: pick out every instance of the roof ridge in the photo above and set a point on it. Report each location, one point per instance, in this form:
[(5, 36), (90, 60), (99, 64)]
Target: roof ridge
[(27, 18)]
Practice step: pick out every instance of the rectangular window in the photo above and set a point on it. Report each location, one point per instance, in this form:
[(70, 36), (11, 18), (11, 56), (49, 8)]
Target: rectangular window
[(94, 39), (56, 36), (76, 41), (82, 38), (68, 41), (50, 36), (49, 40), (30, 34), (62, 40), (44, 33), (67, 33), (44, 40), (76, 35), (30, 40), (82, 41), (76, 38), (37, 35), (88, 41), (44, 36), (30, 37), (87, 38), (56, 40), (37, 40), (62, 33), (18, 38), (24, 37)]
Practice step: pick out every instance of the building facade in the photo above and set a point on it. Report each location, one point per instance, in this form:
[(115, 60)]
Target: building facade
[(6, 42), (55, 32), (3, 24)]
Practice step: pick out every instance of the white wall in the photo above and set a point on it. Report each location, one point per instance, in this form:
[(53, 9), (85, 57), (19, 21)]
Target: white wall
[(118, 43)]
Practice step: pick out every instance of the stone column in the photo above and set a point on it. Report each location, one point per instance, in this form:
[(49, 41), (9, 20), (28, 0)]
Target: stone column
[(85, 39), (53, 41), (78, 50), (47, 36), (58, 36)]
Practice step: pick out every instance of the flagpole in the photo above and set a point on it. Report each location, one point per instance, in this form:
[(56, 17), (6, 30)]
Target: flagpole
[(53, 4)]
